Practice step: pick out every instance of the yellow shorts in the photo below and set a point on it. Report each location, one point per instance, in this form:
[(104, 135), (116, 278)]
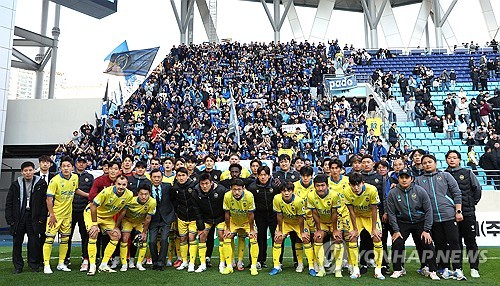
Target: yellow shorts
[(104, 224), (344, 222), (219, 226), (366, 223), (63, 226), (186, 227), (128, 226), (241, 230), (286, 228), (173, 226)]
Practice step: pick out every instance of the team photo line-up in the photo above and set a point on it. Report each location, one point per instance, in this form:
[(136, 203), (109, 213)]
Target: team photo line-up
[(169, 212)]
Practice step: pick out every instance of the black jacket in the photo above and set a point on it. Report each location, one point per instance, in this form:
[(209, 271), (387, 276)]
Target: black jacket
[(214, 174), (488, 161), (135, 181), (85, 181), (165, 213), (470, 187), (14, 201), (263, 195), (375, 179), (184, 200), (290, 176), (411, 205), (209, 205)]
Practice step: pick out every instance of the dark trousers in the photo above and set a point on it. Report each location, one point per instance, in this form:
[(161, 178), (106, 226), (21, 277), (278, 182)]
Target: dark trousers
[(132, 248), (467, 231), (427, 255), (210, 241), (386, 233), (159, 258), (293, 239), (264, 221), (365, 247), (77, 217), (446, 239), (25, 226)]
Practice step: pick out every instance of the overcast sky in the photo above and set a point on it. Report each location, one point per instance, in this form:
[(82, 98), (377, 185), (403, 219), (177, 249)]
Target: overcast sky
[(85, 41)]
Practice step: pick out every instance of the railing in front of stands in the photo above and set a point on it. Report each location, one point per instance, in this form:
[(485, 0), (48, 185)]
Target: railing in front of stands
[(406, 51)]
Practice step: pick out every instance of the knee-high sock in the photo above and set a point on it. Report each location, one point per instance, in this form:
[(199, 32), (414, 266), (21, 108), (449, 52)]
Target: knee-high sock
[(177, 245), (108, 252), (92, 249), (353, 253), (320, 253), (338, 254), (309, 251), (222, 255), (123, 252), (141, 254), (299, 250), (63, 249), (184, 251), (233, 249), (378, 252), (202, 252), (241, 248), (276, 254), (228, 252), (47, 250), (254, 251), (171, 249), (193, 250)]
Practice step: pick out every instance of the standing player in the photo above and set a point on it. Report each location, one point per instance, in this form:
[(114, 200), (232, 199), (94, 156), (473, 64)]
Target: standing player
[(239, 217), (98, 217), (60, 194), (291, 211), (324, 204), (138, 217), (362, 202)]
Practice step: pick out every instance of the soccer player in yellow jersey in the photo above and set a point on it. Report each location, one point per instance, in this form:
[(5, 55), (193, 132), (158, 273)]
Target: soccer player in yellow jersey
[(362, 203), (98, 217), (239, 207), (324, 204), (60, 193), (290, 212), (138, 217)]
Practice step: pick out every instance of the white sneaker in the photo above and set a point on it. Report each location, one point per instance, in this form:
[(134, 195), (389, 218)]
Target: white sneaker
[(140, 267), (114, 263), (106, 268), (474, 273), (316, 267), (92, 270), (434, 276), (131, 263), (63, 267), (459, 275), (149, 261), (85, 266), (300, 268), (397, 274), (222, 266), (378, 274), (191, 267), (124, 268), (169, 263), (201, 268), (183, 266), (47, 270), (447, 274), (425, 271), (328, 263), (355, 273)]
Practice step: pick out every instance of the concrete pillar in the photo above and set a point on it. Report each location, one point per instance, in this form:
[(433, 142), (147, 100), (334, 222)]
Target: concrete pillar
[(277, 17), (41, 53), (53, 65)]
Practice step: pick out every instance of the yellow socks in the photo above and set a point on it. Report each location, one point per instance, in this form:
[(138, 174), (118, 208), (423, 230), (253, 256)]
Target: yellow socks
[(338, 254), (202, 251), (254, 251), (353, 253), (276, 254), (141, 254), (47, 250), (123, 252), (92, 250), (320, 253), (193, 250), (228, 252), (309, 254), (299, 250), (241, 248), (378, 252), (184, 251)]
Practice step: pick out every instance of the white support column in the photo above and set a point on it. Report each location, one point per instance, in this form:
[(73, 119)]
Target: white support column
[(41, 52), (489, 18), (427, 36), (277, 20), (190, 25), (321, 20), (365, 26), (53, 66), (276, 8), (390, 26), (370, 11), (437, 23), (294, 21), (182, 20), (420, 23), (207, 21), (446, 31)]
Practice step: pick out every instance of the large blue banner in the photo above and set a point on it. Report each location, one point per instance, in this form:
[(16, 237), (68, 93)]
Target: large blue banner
[(339, 83), (132, 62)]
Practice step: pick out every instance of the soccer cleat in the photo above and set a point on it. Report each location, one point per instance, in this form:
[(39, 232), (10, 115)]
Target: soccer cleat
[(312, 272), (131, 263), (240, 266), (300, 268), (338, 273), (92, 269), (177, 263), (208, 262), (474, 273), (254, 271), (47, 270), (85, 266), (424, 271), (124, 268), (274, 271), (355, 273), (67, 262), (222, 266), (115, 262), (258, 266), (149, 261), (434, 276), (106, 268), (191, 267), (321, 273), (396, 274), (447, 274), (371, 262), (183, 266), (140, 267), (328, 263), (386, 270), (227, 270), (169, 263), (378, 274), (233, 264), (63, 267), (201, 268), (459, 275), (363, 269)]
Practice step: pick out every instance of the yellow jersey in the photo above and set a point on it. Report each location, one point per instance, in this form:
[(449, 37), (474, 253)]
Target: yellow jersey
[(291, 211), (301, 190), (137, 212), (324, 206), (109, 203), (362, 203), (245, 173), (240, 208), (63, 192), (341, 187)]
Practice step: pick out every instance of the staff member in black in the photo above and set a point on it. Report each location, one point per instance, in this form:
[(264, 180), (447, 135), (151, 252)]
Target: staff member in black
[(26, 213)]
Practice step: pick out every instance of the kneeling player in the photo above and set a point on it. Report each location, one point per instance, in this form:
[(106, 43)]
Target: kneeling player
[(362, 203), (291, 211), (239, 217), (138, 217)]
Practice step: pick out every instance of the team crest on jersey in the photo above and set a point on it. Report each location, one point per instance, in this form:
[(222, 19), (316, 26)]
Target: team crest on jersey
[(328, 203), (270, 190), (86, 179), (122, 202), (190, 190), (414, 196), (216, 195), (462, 177), (293, 177), (244, 204), (367, 199), (376, 181), (439, 178), (215, 177)]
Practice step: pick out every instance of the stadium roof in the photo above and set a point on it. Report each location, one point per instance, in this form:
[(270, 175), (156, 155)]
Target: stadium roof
[(345, 5), (94, 8)]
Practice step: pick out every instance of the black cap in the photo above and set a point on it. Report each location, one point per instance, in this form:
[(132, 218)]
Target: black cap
[(81, 158), (405, 171)]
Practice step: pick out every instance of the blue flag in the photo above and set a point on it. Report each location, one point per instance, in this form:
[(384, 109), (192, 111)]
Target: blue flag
[(123, 47), (132, 62)]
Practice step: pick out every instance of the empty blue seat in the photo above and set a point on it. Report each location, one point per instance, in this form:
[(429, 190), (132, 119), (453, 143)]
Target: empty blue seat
[(410, 135)]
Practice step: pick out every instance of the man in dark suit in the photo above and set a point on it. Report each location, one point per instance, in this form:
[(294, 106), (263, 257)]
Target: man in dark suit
[(162, 220), (26, 213)]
